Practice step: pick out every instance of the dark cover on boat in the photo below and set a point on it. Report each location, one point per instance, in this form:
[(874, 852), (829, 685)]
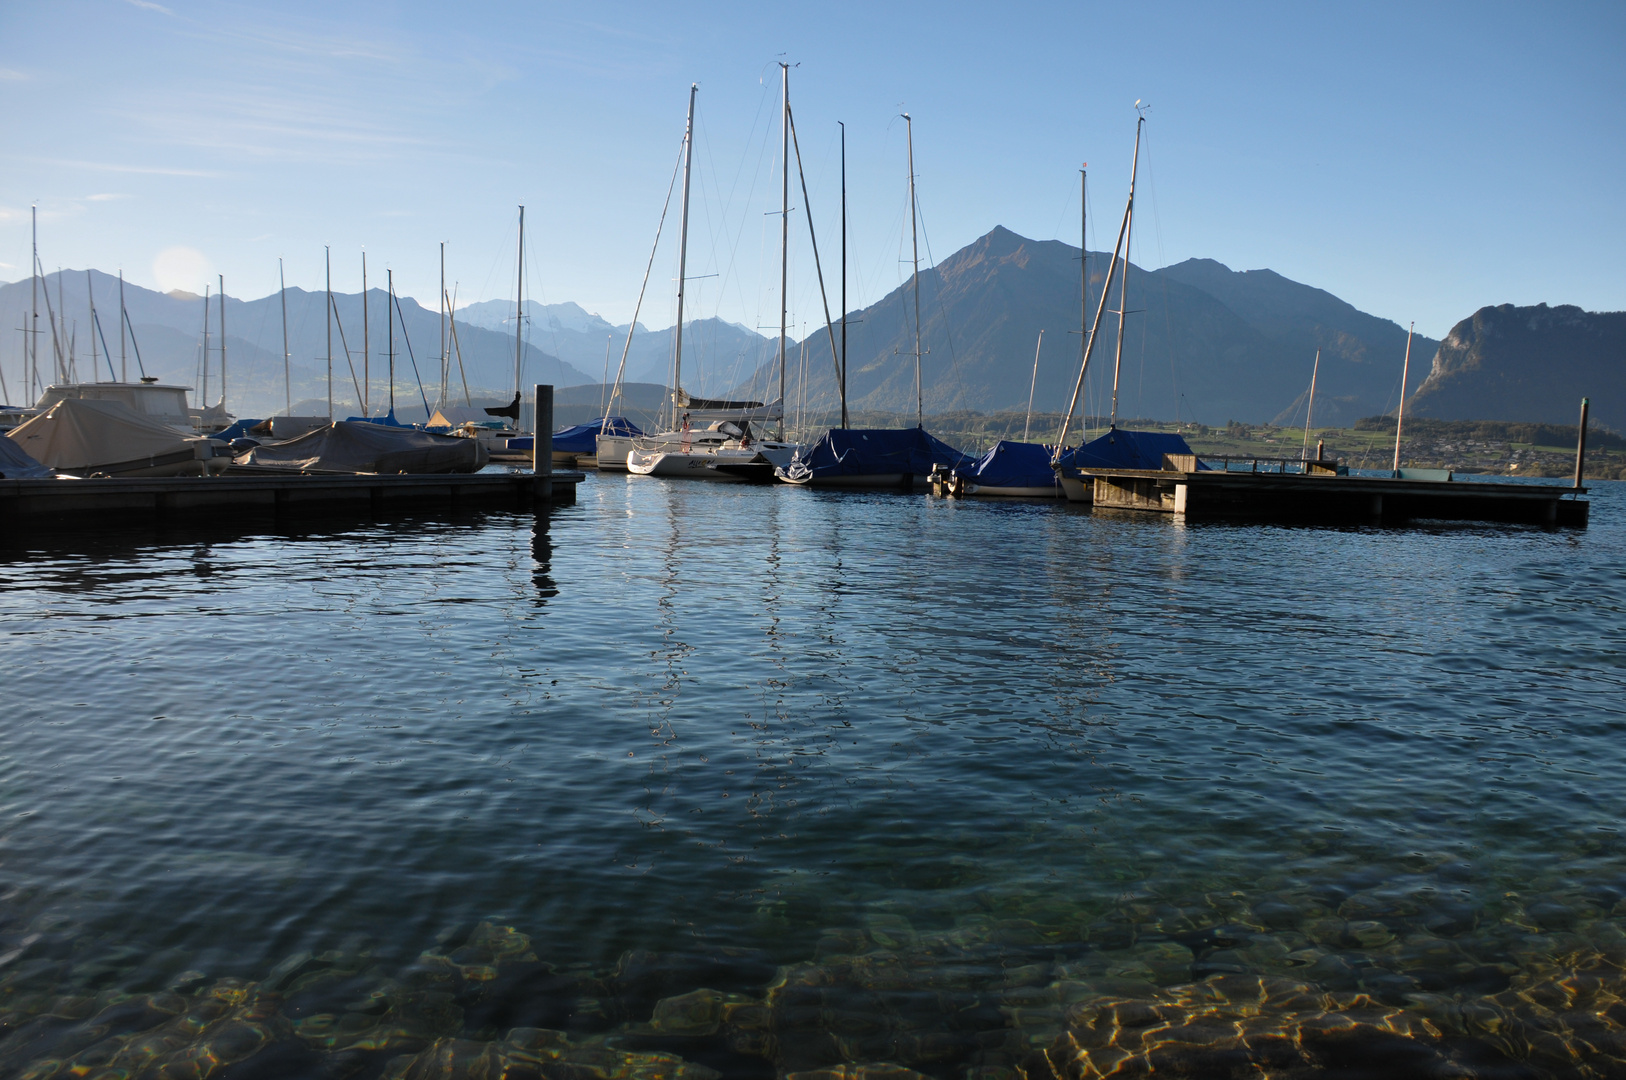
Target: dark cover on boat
[(1012, 464), (701, 404), (877, 452), (360, 446), (239, 430), (1127, 450), (15, 464), (580, 439)]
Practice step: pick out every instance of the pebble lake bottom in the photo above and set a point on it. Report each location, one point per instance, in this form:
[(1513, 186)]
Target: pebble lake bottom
[(687, 779)]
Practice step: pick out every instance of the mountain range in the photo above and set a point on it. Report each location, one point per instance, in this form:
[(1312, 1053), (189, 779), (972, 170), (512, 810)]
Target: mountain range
[(716, 353), (1528, 363), (1202, 342), (168, 334)]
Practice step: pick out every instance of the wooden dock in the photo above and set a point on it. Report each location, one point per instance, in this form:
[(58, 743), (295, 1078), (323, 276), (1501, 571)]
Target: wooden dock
[(1179, 488), (119, 499)]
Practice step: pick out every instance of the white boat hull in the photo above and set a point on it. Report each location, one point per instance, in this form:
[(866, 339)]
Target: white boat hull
[(1078, 490)]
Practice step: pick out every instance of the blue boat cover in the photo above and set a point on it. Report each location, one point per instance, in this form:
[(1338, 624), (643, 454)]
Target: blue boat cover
[(877, 452), (239, 430), (15, 463), (1012, 464), (386, 421), (580, 439), (1127, 450)]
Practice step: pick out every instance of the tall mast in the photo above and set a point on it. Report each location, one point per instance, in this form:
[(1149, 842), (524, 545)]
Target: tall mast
[(223, 333), (1309, 409), (203, 393), (327, 261), (1400, 415), (784, 231), (844, 420), (124, 365), (519, 308), (683, 257), (366, 346), (287, 373), (389, 320), (914, 238), (1123, 280), (90, 295), (1031, 384), (34, 304), (443, 371), (1083, 270)]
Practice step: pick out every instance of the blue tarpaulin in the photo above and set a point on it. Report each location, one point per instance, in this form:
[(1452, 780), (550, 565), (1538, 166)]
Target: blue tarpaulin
[(15, 463), (1126, 450), (580, 439), (847, 452), (1012, 465), (238, 430), (384, 421)]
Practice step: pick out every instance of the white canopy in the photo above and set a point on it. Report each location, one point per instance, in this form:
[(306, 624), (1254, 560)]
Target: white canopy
[(80, 434)]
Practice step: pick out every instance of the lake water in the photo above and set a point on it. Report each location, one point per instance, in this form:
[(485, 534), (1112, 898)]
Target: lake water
[(690, 779)]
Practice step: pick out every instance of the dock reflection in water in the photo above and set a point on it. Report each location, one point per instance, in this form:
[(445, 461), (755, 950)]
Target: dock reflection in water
[(678, 782)]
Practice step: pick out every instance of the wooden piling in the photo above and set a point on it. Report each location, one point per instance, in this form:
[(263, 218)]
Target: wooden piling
[(542, 444), (1580, 444)]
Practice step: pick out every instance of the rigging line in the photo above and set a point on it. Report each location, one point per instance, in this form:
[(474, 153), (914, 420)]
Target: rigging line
[(633, 325), (739, 235), (457, 346), (404, 337), (807, 208), (139, 365), (1163, 279), (955, 383), (345, 345)]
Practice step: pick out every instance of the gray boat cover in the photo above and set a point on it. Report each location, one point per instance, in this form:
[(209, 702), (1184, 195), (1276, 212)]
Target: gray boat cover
[(15, 464), (356, 446), (79, 435)]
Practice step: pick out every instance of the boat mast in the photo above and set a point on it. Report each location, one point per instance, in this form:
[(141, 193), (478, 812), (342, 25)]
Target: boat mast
[(1031, 384), (34, 304), (1309, 409), (389, 320), (519, 310), (1400, 414), (443, 365), (843, 387), (683, 256), (287, 373), (784, 231), (223, 333), (1123, 281), (203, 394), (90, 295), (914, 239), (327, 262), (1083, 274), (124, 364), (366, 346)]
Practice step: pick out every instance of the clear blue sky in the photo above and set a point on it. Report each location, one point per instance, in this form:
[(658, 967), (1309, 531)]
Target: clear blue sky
[(1418, 160)]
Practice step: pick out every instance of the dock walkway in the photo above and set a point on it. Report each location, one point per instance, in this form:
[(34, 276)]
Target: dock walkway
[(127, 498), (1313, 495)]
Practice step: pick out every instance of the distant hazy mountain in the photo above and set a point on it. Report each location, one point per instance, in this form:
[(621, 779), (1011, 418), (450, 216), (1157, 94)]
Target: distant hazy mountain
[(169, 332), (1202, 342), (1529, 363), (716, 354)]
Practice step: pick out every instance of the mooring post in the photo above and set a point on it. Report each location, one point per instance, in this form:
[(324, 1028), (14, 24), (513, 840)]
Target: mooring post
[(542, 445), (1580, 444)]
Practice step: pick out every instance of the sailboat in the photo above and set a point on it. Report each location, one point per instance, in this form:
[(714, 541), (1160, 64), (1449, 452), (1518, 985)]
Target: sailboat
[(704, 433), (877, 457), (1137, 450)]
